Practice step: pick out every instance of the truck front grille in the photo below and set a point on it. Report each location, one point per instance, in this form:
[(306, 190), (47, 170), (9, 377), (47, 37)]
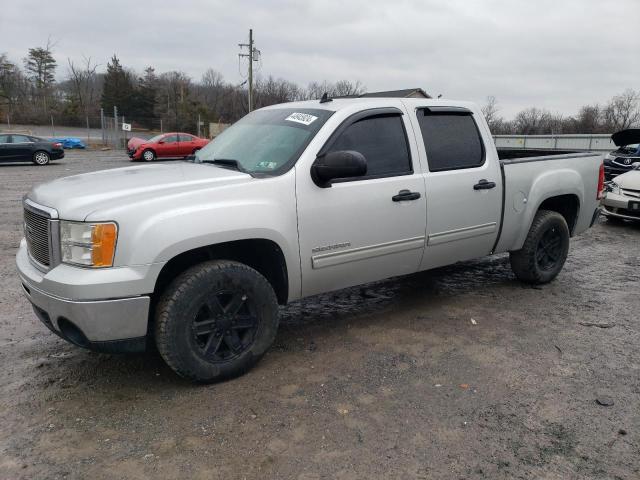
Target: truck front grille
[(37, 231)]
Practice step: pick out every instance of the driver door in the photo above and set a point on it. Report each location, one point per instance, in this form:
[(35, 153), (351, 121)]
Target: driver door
[(360, 229), (168, 146)]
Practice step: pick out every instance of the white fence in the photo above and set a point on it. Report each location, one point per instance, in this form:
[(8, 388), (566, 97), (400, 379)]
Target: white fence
[(596, 142)]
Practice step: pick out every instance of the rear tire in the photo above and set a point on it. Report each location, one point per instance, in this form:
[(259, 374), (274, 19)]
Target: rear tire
[(545, 249), (148, 155), (41, 158), (215, 321)]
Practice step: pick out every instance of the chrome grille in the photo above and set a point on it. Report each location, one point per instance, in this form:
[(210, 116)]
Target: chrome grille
[(37, 231), (631, 193)]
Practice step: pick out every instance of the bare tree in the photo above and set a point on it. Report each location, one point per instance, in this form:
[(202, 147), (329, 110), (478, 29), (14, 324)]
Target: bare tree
[(623, 111), (84, 79)]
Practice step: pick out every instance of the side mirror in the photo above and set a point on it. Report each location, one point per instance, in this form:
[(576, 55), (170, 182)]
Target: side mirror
[(340, 164)]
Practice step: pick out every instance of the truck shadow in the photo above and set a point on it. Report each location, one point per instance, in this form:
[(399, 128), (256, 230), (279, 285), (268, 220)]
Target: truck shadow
[(313, 319)]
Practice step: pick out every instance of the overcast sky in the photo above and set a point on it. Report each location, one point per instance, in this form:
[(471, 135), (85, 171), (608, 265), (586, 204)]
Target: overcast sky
[(554, 54)]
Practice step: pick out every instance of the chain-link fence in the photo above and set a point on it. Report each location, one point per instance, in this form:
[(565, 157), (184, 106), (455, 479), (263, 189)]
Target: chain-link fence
[(107, 128)]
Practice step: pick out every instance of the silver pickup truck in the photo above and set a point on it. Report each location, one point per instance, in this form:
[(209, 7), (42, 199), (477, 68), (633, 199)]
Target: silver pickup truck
[(291, 201)]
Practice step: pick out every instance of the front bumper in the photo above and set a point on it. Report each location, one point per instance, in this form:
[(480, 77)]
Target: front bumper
[(615, 205), (105, 324)]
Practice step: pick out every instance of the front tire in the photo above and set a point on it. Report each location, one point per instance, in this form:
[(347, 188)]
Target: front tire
[(148, 155), (215, 321), (545, 249), (41, 158)]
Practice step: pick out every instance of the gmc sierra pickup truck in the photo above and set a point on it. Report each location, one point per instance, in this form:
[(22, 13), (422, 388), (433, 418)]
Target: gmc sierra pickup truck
[(291, 201)]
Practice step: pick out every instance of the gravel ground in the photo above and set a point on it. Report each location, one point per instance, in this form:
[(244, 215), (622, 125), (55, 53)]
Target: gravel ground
[(390, 380)]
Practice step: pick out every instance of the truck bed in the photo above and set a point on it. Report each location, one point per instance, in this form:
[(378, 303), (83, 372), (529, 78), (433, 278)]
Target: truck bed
[(519, 153), (530, 176)]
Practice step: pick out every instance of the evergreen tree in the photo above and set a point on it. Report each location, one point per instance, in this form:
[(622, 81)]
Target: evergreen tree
[(41, 67), (118, 88)]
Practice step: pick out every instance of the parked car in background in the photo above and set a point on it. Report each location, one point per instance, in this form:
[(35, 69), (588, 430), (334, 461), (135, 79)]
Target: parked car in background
[(166, 145), (621, 160), (27, 148), (622, 198)]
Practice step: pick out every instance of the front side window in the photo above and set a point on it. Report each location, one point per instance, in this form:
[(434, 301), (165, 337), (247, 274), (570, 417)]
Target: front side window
[(4, 138), (382, 141), (265, 141), (452, 140)]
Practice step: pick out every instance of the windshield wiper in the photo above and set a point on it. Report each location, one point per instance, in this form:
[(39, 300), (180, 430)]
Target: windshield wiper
[(227, 163)]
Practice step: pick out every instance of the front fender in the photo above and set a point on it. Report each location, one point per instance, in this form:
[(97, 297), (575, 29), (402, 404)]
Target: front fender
[(164, 227)]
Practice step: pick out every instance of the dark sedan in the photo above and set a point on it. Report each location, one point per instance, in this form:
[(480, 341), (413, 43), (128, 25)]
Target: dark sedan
[(621, 160), (18, 148)]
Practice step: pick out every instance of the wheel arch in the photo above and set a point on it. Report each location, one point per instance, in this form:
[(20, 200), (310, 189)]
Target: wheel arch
[(567, 205), (263, 255)]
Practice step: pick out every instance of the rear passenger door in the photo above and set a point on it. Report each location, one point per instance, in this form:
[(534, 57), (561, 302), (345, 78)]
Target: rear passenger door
[(187, 145), (463, 186)]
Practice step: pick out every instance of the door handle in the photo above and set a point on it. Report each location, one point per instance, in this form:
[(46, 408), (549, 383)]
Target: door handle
[(405, 195), (484, 185)]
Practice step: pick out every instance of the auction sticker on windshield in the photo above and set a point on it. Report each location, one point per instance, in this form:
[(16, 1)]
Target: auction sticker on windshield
[(303, 118)]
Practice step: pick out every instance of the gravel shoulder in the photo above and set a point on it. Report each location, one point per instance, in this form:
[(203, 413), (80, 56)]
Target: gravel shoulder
[(390, 380)]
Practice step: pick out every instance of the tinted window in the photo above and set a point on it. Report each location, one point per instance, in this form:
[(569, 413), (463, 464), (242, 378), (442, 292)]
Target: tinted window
[(382, 140), (20, 139), (4, 138), (186, 138), (170, 138), (451, 141)]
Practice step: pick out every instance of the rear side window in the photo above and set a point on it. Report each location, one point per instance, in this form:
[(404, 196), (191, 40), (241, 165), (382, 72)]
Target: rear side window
[(20, 139), (452, 141), (4, 138), (383, 142), (186, 138), (170, 139)]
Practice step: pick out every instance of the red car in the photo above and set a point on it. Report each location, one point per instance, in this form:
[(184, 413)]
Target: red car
[(166, 145)]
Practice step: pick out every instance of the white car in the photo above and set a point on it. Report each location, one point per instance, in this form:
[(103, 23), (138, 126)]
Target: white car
[(622, 198)]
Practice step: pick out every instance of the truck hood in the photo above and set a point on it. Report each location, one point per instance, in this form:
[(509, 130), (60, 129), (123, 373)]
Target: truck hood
[(626, 137), (78, 196)]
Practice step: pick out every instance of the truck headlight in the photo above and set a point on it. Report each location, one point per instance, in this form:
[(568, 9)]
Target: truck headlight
[(608, 156), (88, 244)]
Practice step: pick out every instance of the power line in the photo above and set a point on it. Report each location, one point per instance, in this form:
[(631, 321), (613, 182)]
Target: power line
[(253, 55)]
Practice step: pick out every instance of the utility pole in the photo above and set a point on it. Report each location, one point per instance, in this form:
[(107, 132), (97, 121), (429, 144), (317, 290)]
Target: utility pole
[(253, 56)]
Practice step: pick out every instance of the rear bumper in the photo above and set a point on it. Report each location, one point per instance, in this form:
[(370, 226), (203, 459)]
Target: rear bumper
[(57, 154)]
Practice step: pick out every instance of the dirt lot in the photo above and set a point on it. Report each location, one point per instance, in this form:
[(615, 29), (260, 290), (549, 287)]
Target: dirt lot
[(391, 380)]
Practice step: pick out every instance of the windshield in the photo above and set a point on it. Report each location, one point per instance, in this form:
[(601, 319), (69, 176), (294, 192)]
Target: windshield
[(265, 141), (633, 148), (155, 139)]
